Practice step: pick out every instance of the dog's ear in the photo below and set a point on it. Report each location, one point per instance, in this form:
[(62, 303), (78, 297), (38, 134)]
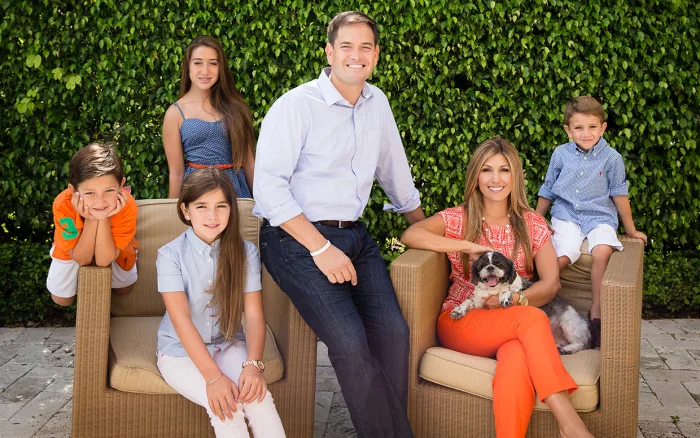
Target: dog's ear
[(476, 266), (511, 273)]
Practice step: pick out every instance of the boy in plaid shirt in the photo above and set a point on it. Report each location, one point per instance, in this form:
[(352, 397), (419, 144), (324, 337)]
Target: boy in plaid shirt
[(586, 187)]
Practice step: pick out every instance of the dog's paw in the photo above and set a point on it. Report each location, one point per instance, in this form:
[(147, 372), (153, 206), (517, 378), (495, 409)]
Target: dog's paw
[(457, 313), (570, 349), (506, 299)]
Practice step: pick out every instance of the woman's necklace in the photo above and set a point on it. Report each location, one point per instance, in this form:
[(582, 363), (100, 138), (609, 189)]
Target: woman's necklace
[(490, 238)]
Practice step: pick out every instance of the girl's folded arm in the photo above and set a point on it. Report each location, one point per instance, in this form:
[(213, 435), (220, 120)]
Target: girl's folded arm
[(179, 310)]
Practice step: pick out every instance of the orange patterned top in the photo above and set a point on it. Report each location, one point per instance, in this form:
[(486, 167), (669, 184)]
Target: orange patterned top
[(502, 240)]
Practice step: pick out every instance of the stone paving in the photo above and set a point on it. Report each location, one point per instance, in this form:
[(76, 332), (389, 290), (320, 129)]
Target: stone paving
[(36, 383)]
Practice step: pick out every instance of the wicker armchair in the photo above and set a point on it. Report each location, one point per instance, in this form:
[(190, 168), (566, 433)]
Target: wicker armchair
[(118, 391), (609, 407)]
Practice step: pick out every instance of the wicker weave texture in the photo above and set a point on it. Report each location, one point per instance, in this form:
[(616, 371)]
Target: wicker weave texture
[(421, 281), (100, 411)]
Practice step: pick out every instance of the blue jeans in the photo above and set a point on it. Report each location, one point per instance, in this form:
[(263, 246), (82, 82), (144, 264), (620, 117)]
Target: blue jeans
[(366, 334)]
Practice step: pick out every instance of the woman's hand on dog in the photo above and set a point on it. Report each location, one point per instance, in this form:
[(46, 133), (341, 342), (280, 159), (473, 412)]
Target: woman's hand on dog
[(475, 250), (491, 302)]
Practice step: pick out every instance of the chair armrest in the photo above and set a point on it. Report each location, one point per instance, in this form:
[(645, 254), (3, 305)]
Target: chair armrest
[(421, 280), (295, 340), (621, 311), (92, 329)]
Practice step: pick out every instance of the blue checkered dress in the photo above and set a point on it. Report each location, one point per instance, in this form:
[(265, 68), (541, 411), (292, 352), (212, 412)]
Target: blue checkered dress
[(206, 143)]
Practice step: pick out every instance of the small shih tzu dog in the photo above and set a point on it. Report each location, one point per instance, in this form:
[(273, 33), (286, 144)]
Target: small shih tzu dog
[(494, 274)]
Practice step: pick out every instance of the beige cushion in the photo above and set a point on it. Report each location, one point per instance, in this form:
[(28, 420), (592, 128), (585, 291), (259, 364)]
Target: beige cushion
[(474, 374), (156, 225), (132, 356)]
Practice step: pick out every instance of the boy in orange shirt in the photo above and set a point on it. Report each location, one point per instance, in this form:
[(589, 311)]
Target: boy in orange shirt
[(95, 222)]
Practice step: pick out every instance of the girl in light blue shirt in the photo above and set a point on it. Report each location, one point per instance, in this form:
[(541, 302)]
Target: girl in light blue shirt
[(208, 276)]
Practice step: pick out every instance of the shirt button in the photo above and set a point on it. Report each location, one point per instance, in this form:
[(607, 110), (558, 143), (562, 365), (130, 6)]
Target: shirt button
[(581, 173), (208, 260), (585, 158), (576, 205), (576, 192), (210, 280), (208, 324)]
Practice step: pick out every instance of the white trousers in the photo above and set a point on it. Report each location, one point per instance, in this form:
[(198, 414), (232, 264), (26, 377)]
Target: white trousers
[(184, 377), (567, 238)]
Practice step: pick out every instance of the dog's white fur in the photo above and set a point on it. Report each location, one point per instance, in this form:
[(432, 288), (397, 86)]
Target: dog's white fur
[(503, 289), (570, 330)]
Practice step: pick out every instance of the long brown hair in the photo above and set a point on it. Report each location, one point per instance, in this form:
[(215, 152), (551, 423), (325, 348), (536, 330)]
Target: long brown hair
[(225, 99), (230, 267), (473, 205)]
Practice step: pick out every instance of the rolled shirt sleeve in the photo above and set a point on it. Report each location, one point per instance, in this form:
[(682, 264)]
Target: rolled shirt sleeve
[(553, 171), (393, 172), (278, 149), (617, 177)]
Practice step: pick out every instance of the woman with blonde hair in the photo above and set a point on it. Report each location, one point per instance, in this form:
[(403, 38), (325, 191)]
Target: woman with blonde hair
[(495, 215)]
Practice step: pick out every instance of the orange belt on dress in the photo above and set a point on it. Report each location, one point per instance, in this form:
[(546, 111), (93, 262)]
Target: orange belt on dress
[(204, 166)]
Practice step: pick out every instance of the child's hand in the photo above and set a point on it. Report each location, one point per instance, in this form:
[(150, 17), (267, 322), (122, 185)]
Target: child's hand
[(222, 395), (252, 385), (637, 235), (121, 202), (79, 204)]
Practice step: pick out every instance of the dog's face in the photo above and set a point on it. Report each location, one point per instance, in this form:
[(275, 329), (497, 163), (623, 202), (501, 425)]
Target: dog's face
[(492, 269)]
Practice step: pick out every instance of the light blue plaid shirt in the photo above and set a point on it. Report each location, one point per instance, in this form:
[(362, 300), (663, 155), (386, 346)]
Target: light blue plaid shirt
[(187, 264), (319, 155), (581, 184)]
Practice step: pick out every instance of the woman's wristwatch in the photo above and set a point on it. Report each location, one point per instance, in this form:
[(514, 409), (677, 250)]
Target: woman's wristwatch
[(258, 363), (522, 301)]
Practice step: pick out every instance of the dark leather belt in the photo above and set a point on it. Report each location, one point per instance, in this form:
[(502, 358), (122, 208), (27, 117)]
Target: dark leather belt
[(339, 224)]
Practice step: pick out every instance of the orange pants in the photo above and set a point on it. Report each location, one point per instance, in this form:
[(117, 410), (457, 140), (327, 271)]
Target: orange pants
[(521, 340)]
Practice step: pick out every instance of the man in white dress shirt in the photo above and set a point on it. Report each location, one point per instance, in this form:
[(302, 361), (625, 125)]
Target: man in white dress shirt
[(320, 148)]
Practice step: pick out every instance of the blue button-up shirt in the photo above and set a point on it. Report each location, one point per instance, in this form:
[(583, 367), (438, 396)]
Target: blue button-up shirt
[(319, 155), (582, 184), (188, 264)]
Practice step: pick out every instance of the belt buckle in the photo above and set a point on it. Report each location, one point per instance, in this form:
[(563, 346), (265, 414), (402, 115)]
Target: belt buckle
[(340, 225)]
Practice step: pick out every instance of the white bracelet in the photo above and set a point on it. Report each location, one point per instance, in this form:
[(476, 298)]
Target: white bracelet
[(322, 250), (209, 383)]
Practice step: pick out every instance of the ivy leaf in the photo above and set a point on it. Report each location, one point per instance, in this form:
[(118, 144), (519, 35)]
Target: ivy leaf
[(57, 73), (33, 61)]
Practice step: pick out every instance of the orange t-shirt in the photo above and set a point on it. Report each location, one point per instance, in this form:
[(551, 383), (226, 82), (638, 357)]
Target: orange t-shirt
[(69, 224)]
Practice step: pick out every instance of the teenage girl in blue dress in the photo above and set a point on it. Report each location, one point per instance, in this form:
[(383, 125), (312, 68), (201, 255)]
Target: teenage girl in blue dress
[(210, 123)]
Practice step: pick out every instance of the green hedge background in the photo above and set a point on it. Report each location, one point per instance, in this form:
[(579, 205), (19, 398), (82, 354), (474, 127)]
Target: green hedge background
[(456, 73)]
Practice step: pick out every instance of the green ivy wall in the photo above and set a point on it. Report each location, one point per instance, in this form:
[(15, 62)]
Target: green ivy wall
[(455, 72)]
